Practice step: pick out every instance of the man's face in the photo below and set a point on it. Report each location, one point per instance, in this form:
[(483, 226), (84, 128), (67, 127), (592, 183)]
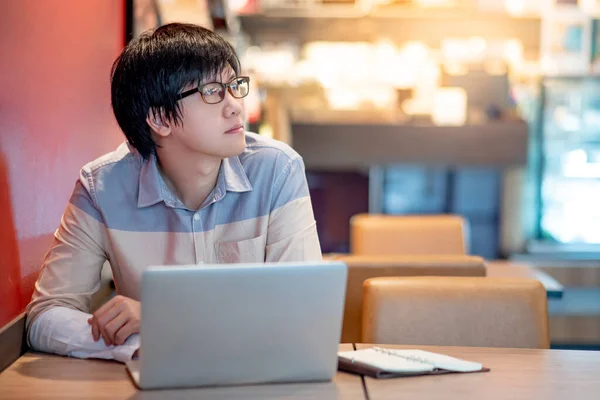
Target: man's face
[(214, 130)]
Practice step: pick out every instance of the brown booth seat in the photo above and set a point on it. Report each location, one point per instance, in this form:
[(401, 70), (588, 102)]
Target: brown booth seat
[(361, 268), (373, 234), (456, 311)]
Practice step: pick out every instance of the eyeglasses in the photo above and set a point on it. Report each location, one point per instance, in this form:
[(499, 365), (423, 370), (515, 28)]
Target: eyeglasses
[(214, 92)]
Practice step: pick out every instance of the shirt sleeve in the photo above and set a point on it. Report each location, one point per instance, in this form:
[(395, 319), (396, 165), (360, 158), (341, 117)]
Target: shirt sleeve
[(292, 231), (58, 312), (64, 331)]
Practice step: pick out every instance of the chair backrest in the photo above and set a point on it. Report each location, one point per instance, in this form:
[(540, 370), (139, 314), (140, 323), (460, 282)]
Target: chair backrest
[(361, 268), (456, 311), (373, 234)]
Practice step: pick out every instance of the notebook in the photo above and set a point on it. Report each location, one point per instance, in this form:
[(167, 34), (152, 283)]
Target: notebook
[(384, 363)]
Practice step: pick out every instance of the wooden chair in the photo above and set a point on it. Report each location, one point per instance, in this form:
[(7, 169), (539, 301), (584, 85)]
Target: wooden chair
[(361, 268), (373, 234)]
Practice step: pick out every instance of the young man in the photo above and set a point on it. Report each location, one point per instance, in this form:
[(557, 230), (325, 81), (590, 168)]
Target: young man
[(188, 187)]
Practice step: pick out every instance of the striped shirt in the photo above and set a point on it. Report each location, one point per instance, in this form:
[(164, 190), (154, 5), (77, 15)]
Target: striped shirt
[(122, 211)]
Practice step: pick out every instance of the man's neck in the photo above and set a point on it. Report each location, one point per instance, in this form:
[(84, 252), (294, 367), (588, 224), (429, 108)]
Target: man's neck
[(189, 176)]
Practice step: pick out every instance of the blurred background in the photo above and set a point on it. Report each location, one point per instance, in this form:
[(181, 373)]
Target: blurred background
[(488, 109), (484, 108)]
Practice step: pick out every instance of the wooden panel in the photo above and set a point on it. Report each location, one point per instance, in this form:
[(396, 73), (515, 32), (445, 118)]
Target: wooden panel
[(12, 341), (515, 374)]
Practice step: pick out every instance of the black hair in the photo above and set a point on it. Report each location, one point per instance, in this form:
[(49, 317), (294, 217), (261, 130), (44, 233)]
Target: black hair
[(155, 67)]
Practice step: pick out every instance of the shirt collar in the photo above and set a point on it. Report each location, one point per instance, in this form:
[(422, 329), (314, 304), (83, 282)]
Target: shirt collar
[(149, 186), (233, 176), (152, 188)]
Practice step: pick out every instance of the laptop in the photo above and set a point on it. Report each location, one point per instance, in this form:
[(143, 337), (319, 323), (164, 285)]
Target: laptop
[(236, 324)]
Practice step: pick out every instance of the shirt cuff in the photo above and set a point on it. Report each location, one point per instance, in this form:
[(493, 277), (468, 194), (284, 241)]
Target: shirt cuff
[(124, 352), (65, 331)]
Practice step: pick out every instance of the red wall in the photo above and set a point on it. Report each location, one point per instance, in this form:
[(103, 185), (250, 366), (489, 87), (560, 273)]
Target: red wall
[(55, 115)]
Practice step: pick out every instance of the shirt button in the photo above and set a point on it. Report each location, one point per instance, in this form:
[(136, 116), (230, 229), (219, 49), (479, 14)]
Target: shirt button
[(196, 217)]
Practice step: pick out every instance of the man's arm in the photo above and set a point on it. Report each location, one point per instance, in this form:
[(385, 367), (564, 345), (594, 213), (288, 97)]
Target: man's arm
[(57, 316), (66, 332), (292, 231)]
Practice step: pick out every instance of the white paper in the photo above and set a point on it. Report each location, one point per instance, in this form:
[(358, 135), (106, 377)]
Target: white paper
[(409, 361)]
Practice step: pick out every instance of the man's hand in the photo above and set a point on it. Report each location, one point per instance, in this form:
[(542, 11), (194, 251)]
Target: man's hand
[(116, 320)]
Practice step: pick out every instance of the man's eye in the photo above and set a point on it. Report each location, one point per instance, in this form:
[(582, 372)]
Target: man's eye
[(209, 91)]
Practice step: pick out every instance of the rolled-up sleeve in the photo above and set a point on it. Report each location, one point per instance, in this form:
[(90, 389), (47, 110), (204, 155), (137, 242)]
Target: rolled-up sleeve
[(292, 232), (70, 273)]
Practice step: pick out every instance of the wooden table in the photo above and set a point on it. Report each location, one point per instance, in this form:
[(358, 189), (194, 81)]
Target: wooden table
[(42, 376), (515, 374), (509, 269)]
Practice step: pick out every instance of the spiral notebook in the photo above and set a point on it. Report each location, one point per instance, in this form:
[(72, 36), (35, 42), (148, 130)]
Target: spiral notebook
[(384, 363)]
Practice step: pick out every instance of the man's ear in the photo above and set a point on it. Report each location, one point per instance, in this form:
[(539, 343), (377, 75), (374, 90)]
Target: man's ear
[(158, 123)]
